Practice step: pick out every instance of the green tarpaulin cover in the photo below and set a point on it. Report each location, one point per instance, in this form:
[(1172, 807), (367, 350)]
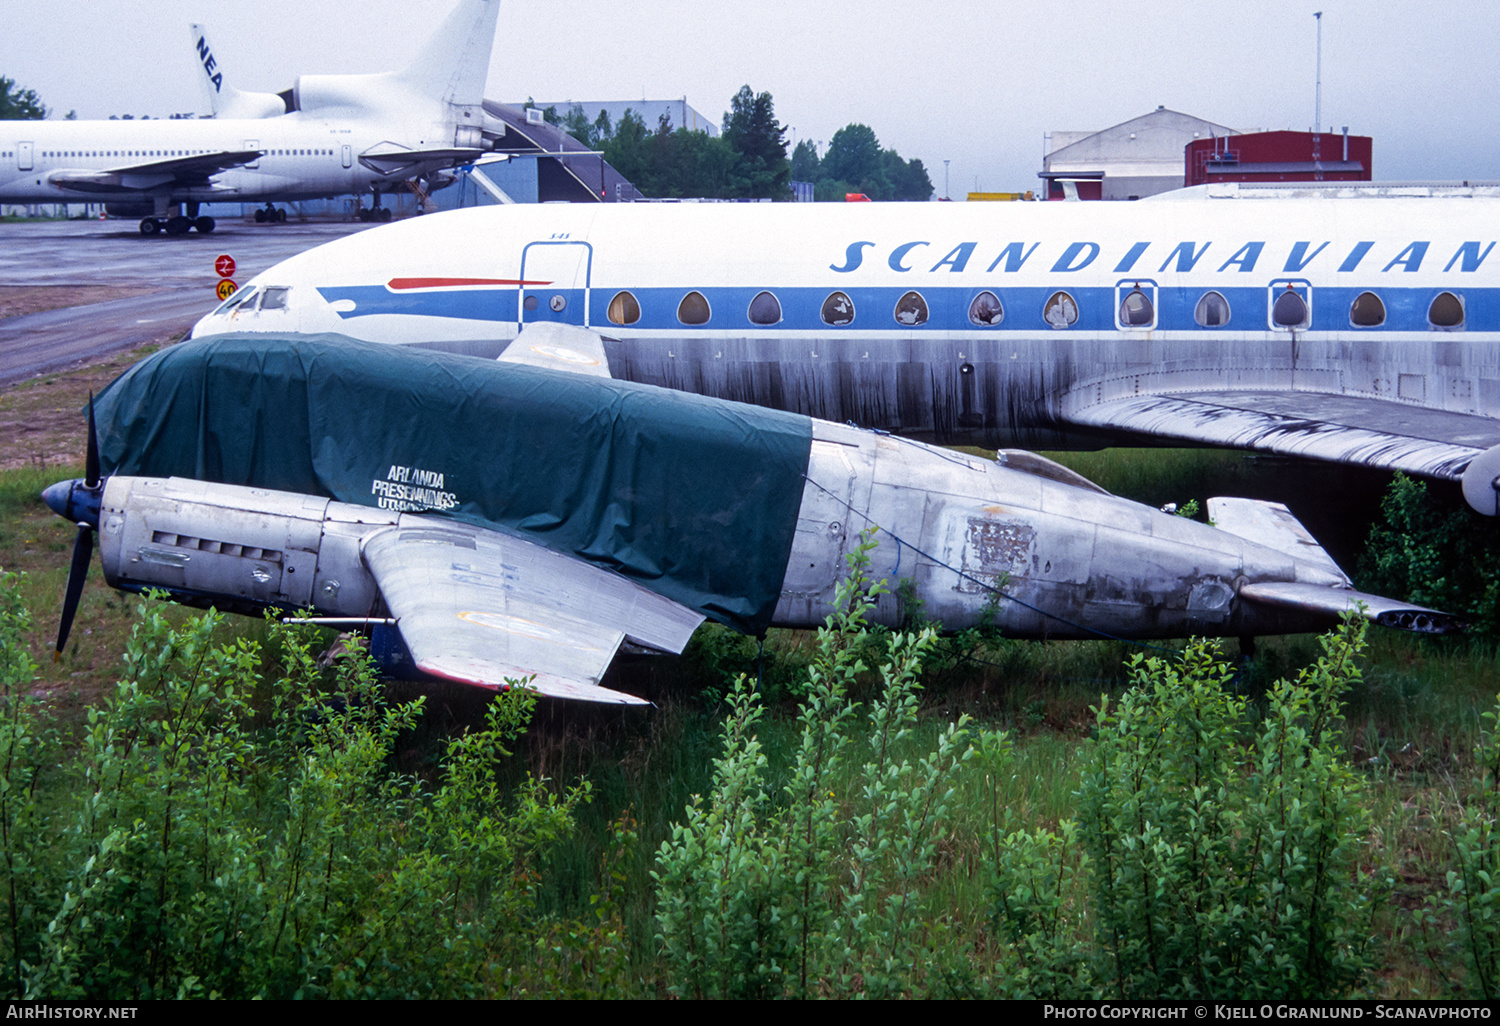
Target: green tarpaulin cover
[(694, 498)]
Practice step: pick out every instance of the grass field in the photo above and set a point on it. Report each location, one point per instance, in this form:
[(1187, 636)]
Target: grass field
[(1409, 732)]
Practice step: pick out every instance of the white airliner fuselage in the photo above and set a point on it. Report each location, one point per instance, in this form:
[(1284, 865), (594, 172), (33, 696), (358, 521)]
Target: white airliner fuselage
[(1360, 325), (342, 134)]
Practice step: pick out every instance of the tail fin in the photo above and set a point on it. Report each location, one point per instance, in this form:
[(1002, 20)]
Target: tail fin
[(224, 100), (455, 63)]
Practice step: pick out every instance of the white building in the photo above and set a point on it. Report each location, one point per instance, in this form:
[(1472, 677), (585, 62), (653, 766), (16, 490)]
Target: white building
[(1136, 158)]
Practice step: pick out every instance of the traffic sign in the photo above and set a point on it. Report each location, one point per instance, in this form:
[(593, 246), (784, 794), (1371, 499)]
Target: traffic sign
[(226, 288), (224, 264)]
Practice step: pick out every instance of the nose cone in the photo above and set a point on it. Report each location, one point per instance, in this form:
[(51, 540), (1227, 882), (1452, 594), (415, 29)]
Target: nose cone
[(74, 500)]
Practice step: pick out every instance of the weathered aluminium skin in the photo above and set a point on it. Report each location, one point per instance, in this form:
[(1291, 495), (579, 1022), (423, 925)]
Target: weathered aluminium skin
[(1394, 389)]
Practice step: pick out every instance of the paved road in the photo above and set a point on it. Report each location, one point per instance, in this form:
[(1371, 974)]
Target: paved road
[(179, 269)]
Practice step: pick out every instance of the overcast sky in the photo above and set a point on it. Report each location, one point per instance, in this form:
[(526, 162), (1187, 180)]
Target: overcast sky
[(975, 83)]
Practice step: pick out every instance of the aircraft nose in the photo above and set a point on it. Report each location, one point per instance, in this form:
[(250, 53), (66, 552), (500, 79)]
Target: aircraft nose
[(73, 500)]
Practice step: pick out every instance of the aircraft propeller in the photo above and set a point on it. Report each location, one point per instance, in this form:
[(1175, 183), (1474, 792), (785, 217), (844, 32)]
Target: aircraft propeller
[(79, 502)]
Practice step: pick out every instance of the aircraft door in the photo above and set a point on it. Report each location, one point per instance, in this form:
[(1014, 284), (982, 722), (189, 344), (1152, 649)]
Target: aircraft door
[(348, 156), (253, 144), (555, 282), (24, 156)]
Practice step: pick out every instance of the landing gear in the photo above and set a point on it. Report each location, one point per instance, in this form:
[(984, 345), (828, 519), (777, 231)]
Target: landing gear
[(375, 214), (176, 225), (270, 215)]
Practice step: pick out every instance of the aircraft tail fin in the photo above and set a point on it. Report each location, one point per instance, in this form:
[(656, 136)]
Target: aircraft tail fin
[(455, 62), (224, 100), (1270, 524)]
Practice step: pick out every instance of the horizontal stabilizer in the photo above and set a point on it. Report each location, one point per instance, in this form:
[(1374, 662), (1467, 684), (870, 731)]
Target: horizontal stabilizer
[(1337, 601), (1270, 524)]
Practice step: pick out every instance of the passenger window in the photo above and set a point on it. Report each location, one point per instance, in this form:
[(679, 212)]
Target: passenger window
[(273, 298), (693, 309), (765, 309), (986, 310), (1289, 310), (1061, 311), (838, 309), (1367, 311), (911, 310), (1136, 310), (1446, 311), (1212, 310), (623, 309)]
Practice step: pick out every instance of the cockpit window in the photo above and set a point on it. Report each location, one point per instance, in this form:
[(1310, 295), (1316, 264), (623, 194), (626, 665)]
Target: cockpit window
[(1061, 310), (1367, 311), (764, 309), (623, 309), (1212, 310), (693, 309), (1289, 310), (838, 309), (986, 310), (911, 310), (1446, 311), (273, 298), (235, 300)]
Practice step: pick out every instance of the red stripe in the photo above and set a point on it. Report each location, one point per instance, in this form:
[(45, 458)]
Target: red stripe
[(445, 283)]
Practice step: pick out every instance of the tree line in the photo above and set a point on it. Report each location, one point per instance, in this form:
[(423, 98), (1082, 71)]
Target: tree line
[(748, 160)]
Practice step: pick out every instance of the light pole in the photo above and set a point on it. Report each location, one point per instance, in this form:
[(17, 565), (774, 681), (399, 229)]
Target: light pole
[(946, 196)]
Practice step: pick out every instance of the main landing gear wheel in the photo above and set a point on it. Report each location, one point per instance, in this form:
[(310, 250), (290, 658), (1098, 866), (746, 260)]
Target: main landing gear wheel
[(178, 225), (150, 226), (204, 224)]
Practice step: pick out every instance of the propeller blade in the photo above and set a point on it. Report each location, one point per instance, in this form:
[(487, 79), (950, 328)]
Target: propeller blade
[(91, 459), (83, 551)]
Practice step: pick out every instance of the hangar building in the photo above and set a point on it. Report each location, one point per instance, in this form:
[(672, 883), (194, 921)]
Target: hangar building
[(1136, 158)]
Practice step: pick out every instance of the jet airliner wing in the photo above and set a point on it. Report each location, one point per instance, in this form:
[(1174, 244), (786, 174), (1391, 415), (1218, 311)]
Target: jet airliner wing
[(196, 169), (1347, 429), (563, 347), (481, 607)]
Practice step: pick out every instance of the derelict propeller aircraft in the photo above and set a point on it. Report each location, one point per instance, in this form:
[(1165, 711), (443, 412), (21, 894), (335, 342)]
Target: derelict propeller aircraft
[(336, 134), (1356, 324), (498, 520)]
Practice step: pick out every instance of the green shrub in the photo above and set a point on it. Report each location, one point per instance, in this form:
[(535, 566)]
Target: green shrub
[(1471, 900), (813, 891), (1225, 855), (206, 850)]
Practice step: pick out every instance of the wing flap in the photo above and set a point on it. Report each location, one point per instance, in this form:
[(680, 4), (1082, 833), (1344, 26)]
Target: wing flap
[(195, 169), (1347, 429), (482, 607)]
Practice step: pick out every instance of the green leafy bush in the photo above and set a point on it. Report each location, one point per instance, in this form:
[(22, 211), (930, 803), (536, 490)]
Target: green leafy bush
[(205, 850), (1433, 550), (1225, 854), (1471, 900), (813, 891)]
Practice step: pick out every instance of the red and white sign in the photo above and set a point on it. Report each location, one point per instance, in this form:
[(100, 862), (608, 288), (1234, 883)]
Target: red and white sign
[(224, 264)]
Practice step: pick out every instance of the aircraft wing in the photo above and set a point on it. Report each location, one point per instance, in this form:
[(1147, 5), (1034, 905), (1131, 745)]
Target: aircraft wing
[(563, 347), (481, 607), (197, 169), (1347, 429), (389, 162)]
